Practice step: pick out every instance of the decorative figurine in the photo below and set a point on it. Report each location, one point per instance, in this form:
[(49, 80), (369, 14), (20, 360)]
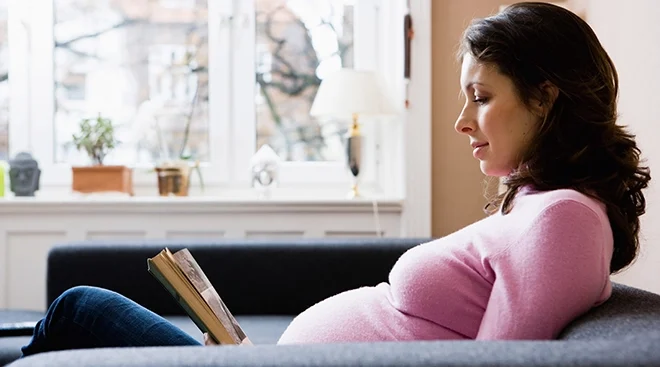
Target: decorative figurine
[(24, 175), (265, 167)]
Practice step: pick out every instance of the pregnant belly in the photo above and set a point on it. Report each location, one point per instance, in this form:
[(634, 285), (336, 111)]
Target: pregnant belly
[(360, 315)]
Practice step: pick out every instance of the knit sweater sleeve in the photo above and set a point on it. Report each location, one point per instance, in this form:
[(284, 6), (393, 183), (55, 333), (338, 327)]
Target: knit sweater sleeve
[(557, 269)]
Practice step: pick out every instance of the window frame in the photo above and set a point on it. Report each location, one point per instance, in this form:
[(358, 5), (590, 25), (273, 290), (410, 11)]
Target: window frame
[(7, 81), (232, 121)]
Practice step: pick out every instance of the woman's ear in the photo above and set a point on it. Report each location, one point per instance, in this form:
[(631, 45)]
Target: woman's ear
[(548, 94)]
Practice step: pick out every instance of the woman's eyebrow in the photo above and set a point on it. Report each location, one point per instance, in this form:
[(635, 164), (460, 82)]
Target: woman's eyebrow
[(466, 87), (470, 84)]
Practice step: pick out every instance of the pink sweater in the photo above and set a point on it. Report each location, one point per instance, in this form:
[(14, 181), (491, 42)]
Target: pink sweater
[(524, 275)]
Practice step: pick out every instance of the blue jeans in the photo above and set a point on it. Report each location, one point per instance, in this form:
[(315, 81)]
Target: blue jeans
[(89, 317)]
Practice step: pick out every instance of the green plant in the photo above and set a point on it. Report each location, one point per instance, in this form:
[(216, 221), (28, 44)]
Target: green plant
[(96, 137)]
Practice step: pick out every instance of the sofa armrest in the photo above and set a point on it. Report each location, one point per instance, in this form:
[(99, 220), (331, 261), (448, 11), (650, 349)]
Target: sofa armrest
[(608, 353)]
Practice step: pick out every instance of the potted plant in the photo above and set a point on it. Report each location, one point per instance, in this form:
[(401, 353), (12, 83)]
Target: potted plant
[(96, 137), (174, 175)]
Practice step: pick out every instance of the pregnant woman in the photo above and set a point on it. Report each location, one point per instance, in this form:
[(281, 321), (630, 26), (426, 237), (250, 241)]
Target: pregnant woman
[(540, 113)]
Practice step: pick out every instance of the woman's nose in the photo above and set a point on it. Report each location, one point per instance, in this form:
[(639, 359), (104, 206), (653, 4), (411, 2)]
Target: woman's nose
[(463, 125)]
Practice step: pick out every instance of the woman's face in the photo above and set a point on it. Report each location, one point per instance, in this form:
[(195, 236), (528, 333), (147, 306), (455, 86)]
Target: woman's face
[(497, 122)]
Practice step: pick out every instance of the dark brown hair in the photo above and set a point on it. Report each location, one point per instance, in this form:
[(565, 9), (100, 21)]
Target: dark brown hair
[(578, 144)]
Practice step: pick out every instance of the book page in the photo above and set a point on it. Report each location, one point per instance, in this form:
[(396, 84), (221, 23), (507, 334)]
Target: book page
[(191, 269), (165, 269)]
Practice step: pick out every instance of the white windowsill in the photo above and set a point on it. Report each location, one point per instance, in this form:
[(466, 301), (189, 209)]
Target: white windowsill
[(216, 200)]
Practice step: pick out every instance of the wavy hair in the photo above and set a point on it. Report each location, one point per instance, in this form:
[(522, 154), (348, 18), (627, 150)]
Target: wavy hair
[(578, 144)]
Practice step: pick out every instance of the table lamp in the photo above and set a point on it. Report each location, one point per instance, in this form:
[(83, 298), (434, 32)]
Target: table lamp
[(351, 93)]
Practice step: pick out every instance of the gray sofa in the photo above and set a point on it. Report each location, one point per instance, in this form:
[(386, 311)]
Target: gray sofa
[(281, 278)]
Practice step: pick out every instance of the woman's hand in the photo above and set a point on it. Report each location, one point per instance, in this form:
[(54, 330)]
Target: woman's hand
[(208, 341)]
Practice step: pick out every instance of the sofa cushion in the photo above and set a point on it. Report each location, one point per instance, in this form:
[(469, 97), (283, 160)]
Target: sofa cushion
[(10, 348), (628, 312), (260, 329), (264, 329), (16, 328), (604, 353)]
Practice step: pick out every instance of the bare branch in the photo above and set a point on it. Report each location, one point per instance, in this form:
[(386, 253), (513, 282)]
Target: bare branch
[(79, 53), (275, 115), (292, 78), (309, 51), (195, 99), (123, 23), (300, 83), (279, 42), (293, 83)]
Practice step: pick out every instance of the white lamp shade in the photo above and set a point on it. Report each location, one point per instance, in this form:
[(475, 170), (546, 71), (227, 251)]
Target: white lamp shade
[(349, 91)]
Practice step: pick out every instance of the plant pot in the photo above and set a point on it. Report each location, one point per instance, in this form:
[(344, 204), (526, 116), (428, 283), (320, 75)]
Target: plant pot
[(173, 180), (100, 178)]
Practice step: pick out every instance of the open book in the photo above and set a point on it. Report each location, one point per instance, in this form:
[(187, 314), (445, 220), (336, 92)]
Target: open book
[(180, 274)]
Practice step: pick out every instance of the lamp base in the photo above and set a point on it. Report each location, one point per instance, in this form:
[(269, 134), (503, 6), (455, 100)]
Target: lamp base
[(354, 156), (354, 193)]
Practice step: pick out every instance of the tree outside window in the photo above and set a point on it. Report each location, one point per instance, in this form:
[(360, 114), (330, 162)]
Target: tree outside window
[(297, 43), (144, 64)]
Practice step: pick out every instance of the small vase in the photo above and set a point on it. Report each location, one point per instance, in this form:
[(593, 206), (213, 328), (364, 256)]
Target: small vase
[(173, 180)]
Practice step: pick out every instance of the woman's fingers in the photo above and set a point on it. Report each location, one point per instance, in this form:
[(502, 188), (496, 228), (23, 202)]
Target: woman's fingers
[(208, 340)]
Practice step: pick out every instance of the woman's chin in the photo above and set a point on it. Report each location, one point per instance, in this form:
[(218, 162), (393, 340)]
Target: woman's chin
[(493, 171)]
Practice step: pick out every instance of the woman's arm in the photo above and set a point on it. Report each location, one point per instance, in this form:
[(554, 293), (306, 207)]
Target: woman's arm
[(556, 271)]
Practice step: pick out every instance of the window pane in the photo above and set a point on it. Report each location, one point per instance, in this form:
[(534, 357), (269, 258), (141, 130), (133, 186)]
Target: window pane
[(298, 41), (4, 83), (142, 63)]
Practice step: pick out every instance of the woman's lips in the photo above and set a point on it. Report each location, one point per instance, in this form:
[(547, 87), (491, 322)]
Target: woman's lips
[(479, 150)]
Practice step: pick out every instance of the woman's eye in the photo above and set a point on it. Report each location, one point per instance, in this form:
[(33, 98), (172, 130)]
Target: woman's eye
[(480, 100)]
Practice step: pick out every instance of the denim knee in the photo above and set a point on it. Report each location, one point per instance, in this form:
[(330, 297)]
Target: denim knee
[(76, 293), (81, 293)]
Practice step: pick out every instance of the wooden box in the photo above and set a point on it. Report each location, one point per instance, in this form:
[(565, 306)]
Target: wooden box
[(103, 179)]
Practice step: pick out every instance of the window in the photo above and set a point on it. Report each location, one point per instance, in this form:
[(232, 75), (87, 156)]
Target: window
[(297, 42), (143, 65), (208, 80), (4, 82)]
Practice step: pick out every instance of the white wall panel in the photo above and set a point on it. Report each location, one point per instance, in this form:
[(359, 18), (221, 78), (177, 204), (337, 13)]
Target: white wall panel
[(26, 267), (29, 227)]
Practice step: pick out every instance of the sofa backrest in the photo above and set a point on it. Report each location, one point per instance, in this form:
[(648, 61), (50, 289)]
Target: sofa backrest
[(284, 277), (628, 311), (252, 276)]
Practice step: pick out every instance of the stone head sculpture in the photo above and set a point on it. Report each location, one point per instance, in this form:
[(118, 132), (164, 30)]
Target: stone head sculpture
[(24, 175)]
